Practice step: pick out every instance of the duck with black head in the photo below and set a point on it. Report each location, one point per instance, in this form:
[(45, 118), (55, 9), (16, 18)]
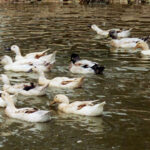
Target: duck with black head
[(114, 33), (84, 66)]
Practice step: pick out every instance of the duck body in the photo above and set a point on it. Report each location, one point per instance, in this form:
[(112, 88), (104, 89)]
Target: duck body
[(118, 33), (66, 83), (21, 88), (26, 114), (125, 42), (145, 53), (84, 66), (49, 59), (86, 108), (17, 68), (9, 65), (59, 82)]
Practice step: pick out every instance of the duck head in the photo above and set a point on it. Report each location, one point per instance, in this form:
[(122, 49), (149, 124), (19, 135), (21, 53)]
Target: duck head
[(74, 58), (6, 60), (60, 98), (8, 99), (142, 45), (15, 49), (113, 34)]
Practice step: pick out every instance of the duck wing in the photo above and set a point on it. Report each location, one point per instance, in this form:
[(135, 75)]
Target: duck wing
[(85, 63), (80, 104), (37, 54), (26, 110)]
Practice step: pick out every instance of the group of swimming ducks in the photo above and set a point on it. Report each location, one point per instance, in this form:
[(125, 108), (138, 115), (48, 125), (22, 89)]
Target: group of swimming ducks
[(42, 62), (120, 39)]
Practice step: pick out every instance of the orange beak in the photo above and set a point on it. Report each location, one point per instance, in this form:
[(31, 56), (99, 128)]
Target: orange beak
[(136, 47), (51, 103)]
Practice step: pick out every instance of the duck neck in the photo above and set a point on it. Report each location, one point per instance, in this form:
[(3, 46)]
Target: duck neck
[(5, 80), (42, 78), (62, 106), (10, 103), (18, 53)]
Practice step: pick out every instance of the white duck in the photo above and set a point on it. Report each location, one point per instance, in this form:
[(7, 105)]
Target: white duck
[(59, 82), (87, 108), (145, 48), (126, 42), (84, 66), (118, 33), (9, 65), (27, 89), (37, 58), (35, 55), (2, 101), (26, 114), (49, 60)]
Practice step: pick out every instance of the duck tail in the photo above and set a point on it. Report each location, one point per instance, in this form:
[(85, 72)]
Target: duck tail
[(96, 28), (130, 29), (102, 104), (46, 50), (53, 56), (98, 69)]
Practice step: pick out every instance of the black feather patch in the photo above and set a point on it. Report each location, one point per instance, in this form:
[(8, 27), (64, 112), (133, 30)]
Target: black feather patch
[(29, 87), (98, 69), (85, 66), (74, 58)]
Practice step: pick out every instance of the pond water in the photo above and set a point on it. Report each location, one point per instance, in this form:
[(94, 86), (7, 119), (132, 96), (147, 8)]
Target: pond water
[(124, 85)]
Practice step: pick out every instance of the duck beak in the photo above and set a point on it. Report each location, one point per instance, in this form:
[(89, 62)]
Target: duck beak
[(89, 25), (29, 70), (8, 49), (51, 103)]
